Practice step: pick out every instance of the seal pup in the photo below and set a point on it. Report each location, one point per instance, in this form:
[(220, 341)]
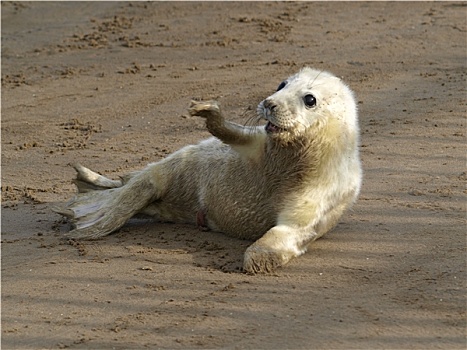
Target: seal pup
[(283, 185)]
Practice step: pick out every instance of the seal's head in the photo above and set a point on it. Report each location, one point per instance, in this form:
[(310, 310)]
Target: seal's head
[(304, 101)]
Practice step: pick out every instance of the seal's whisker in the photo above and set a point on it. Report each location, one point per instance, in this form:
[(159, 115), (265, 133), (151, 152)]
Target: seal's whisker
[(252, 120), (316, 77), (314, 86), (255, 122)]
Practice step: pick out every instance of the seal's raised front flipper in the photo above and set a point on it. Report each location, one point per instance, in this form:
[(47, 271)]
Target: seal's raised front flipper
[(248, 141)]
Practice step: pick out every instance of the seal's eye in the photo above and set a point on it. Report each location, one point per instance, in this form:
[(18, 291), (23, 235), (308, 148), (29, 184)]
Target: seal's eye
[(281, 85), (310, 100)]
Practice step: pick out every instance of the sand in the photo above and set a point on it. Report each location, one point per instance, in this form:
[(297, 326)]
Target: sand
[(108, 85)]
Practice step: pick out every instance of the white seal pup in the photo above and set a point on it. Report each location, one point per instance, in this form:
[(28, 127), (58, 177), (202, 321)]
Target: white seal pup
[(283, 185)]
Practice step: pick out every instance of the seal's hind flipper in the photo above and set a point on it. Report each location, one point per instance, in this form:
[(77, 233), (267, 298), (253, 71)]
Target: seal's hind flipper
[(88, 180), (92, 214), (96, 214)]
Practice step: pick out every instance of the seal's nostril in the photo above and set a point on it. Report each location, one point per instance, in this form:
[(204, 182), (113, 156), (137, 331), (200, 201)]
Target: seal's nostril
[(270, 105)]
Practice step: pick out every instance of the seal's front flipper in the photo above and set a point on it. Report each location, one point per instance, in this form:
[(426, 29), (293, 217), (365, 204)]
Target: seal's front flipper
[(205, 109), (238, 136), (276, 248)]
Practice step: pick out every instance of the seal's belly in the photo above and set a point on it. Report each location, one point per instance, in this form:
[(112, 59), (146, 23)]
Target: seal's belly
[(240, 216)]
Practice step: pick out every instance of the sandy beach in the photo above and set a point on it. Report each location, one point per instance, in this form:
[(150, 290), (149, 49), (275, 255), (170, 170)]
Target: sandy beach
[(108, 85)]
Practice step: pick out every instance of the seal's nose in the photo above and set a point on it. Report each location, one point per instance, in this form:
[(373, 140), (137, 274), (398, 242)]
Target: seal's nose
[(269, 104)]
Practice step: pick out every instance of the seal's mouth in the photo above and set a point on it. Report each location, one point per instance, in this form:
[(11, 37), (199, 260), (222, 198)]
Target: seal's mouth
[(273, 129)]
